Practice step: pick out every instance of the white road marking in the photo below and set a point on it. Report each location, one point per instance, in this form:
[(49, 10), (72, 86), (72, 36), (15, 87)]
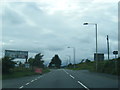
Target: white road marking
[(65, 71), (27, 83), (83, 85), (36, 79), (32, 81), (21, 87), (72, 76)]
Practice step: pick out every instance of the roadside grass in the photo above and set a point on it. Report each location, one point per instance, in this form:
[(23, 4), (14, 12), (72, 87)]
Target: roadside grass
[(106, 66), (0, 77), (21, 72), (84, 66), (46, 70)]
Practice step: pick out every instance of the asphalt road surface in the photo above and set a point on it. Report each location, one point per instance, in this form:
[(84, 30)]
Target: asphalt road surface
[(64, 78)]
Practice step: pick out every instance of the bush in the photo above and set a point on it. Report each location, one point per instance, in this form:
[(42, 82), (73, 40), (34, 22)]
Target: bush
[(7, 64), (107, 66)]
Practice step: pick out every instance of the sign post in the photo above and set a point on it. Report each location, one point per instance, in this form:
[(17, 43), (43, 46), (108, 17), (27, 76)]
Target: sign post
[(115, 53)]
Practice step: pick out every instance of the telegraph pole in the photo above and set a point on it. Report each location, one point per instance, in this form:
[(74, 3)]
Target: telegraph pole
[(108, 45)]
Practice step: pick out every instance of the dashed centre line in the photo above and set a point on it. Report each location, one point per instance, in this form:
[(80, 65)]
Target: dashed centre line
[(27, 83), (21, 87), (78, 81), (39, 77), (32, 81), (66, 72), (72, 76), (83, 85), (36, 79)]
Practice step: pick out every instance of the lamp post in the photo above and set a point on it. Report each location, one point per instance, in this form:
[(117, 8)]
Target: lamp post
[(66, 62), (96, 40), (69, 58), (108, 45), (73, 54)]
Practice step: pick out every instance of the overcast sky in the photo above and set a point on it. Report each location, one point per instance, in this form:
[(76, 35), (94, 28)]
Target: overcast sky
[(50, 26)]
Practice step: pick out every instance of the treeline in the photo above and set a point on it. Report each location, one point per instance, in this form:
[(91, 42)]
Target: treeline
[(8, 65)]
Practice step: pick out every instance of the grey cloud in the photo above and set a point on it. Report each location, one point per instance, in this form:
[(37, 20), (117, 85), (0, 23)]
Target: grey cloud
[(12, 18), (53, 33), (55, 48)]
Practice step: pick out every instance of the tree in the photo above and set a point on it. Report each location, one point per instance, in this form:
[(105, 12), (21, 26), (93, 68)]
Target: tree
[(70, 65), (7, 64), (81, 61), (20, 64), (87, 61), (37, 61), (30, 60), (55, 61)]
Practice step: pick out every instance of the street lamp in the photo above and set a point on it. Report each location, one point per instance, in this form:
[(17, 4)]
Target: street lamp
[(73, 54), (69, 58), (96, 39), (108, 45)]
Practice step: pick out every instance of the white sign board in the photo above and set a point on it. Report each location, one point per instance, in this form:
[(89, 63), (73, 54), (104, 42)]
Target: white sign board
[(53, 65), (27, 65), (16, 54)]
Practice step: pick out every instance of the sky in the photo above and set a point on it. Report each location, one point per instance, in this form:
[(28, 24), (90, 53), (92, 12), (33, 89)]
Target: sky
[(50, 26)]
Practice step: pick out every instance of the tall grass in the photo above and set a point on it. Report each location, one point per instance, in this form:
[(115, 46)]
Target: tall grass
[(22, 72), (106, 66)]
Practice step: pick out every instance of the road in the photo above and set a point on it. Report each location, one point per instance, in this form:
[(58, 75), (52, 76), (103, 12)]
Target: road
[(64, 78)]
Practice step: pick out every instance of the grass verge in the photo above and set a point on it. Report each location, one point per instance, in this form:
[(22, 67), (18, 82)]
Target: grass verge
[(107, 66), (18, 72)]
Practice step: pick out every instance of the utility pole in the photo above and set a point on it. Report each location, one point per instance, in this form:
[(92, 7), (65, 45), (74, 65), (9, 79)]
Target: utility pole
[(108, 45)]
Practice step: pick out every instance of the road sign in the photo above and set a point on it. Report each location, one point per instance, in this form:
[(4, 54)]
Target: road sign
[(53, 65), (115, 52), (100, 56), (16, 54), (27, 65)]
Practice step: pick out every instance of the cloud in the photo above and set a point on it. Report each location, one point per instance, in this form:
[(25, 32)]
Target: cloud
[(55, 48), (11, 17), (49, 28)]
